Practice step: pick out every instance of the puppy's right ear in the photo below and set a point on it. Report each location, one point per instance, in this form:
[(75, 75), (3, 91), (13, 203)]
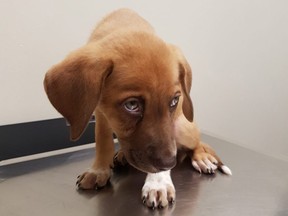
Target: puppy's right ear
[(74, 85)]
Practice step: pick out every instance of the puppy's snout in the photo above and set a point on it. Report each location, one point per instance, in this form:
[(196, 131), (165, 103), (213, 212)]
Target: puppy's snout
[(152, 159), (161, 159), (163, 164)]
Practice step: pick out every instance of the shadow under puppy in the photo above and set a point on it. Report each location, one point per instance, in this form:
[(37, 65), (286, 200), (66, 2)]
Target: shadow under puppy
[(138, 86)]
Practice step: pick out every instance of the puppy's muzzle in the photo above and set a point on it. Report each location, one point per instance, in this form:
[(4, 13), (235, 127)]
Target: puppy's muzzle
[(152, 160), (166, 164)]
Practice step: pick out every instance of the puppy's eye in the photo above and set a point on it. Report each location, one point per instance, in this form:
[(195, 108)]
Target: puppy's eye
[(174, 101), (133, 106)]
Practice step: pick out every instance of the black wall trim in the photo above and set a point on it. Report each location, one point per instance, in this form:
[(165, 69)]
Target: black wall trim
[(37, 137)]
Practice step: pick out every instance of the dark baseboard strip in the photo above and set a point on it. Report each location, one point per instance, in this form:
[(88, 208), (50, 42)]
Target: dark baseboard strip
[(24, 139)]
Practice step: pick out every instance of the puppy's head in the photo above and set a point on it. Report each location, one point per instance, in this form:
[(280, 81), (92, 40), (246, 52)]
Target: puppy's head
[(138, 82)]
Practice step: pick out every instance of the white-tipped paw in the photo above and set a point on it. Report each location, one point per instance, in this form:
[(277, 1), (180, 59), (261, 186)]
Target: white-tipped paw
[(209, 167), (205, 162), (158, 190)]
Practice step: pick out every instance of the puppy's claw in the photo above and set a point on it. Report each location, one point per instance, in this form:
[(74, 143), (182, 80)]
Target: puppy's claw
[(153, 205), (160, 206), (211, 171), (196, 166), (226, 170), (171, 201), (78, 184)]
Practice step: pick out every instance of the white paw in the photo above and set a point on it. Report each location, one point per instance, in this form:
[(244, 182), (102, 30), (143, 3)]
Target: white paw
[(209, 167), (158, 190)]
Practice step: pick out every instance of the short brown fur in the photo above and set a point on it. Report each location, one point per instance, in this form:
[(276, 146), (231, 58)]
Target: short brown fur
[(124, 59)]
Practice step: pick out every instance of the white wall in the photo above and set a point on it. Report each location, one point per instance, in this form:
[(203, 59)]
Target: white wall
[(240, 60), (238, 51)]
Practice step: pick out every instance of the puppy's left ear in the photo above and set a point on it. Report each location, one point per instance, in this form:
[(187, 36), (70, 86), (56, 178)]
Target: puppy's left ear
[(185, 78)]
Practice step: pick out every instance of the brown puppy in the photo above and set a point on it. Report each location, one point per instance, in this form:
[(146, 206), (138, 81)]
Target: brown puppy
[(138, 86)]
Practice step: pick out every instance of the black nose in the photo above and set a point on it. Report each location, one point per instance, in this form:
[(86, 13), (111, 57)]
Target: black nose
[(163, 164)]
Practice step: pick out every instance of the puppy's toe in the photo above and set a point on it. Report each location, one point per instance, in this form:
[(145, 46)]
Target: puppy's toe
[(204, 166), (93, 179), (226, 170)]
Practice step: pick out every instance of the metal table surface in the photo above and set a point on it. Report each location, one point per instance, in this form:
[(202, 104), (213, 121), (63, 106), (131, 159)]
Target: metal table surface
[(259, 186)]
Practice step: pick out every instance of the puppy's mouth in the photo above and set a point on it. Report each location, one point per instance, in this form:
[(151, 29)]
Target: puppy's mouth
[(148, 164)]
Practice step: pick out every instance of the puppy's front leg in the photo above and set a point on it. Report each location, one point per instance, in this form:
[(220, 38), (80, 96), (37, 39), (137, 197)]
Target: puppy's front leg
[(158, 190), (99, 174)]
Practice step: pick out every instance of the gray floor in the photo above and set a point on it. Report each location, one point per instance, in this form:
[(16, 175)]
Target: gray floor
[(258, 187)]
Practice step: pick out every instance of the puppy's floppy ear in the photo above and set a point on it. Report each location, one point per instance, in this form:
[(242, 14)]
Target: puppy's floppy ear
[(74, 85), (185, 78)]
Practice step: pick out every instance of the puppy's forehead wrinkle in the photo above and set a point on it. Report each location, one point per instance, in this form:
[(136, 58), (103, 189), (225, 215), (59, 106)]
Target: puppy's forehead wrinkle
[(143, 83)]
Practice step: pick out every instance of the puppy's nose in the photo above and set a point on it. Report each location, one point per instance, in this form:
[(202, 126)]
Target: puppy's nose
[(164, 163)]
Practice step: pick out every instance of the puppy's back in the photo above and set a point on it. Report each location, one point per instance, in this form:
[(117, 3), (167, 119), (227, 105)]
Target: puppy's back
[(120, 20)]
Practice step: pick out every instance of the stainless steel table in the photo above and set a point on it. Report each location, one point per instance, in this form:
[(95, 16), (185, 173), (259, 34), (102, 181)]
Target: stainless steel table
[(258, 187)]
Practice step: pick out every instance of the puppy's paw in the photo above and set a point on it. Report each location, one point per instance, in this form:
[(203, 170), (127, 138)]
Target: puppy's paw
[(93, 179), (207, 163), (158, 190)]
